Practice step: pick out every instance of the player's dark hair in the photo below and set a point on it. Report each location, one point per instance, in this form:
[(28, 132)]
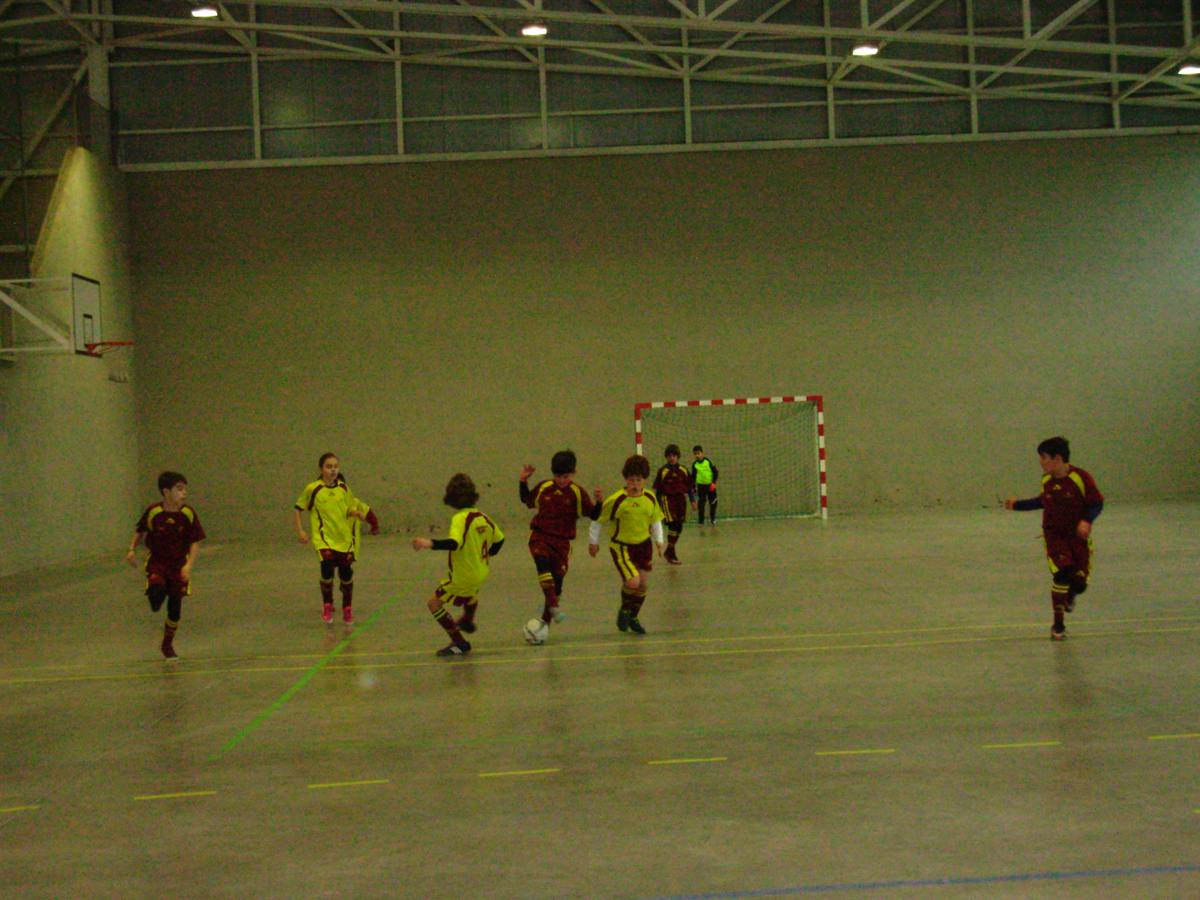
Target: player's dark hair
[(636, 465), (563, 462), (1055, 446), (460, 492), (168, 480), (672, 450), (697, 447), (325, 456)]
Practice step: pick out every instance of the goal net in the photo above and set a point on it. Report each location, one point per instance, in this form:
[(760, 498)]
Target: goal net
[(769, 451)]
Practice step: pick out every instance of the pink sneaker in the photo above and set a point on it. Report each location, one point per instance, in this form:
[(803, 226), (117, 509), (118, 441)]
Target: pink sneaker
[(327, 613), (347, 615)]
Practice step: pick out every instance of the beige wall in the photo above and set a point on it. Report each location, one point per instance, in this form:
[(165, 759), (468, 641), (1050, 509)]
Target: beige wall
[(68, 439), (954, 304)]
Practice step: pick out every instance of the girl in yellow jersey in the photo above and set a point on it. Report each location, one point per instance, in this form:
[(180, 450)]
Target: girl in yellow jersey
[(636, 520), (473, 540), (334, 515)]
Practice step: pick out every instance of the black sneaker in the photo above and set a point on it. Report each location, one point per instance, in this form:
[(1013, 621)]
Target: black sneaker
[(455, 650), (635, 626), (468, 627), (623, 620)]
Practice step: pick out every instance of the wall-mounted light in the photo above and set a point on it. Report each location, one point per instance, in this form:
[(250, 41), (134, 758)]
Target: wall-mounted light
[(865, 48), (205, 11), (534, 29)]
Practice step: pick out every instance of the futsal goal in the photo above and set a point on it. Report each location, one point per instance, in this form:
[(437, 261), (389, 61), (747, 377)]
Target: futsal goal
[(769, 451)]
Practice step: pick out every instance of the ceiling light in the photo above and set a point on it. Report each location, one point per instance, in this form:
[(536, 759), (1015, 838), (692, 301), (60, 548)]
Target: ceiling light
[(865, 48), (205, 11), (534, 29), (1190, 69)]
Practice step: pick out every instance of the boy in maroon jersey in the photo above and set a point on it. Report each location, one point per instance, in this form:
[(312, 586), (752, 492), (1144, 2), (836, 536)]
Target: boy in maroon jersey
[(1070, 503), (673, 485), (173, 534), (559, 502)]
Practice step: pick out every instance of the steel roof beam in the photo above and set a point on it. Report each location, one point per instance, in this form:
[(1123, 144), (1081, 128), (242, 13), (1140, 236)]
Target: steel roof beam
[(693, 24), (1050, 29)]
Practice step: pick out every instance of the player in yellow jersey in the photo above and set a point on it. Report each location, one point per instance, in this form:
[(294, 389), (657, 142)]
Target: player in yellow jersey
[(334, 516), (636, 520), (473, 540)]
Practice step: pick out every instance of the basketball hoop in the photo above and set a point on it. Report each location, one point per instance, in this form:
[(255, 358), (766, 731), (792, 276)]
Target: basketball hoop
[(99, 348)]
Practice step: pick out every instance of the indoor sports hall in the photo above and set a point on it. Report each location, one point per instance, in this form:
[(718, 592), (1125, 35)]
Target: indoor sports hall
[(867, 254)]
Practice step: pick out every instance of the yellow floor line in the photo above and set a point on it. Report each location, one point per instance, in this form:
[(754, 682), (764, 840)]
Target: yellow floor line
[(1174, 737), (175, 796), (13, 809), (582, 654), (338, 784), (1022, 745), (518, 773), (680, 762), (785, 636), (881, 750), (643, 652)]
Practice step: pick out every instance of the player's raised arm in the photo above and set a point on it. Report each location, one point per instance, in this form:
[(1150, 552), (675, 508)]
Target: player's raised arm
[(526, 493)]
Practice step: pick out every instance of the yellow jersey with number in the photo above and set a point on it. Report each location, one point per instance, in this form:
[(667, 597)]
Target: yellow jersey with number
[(475, 533)]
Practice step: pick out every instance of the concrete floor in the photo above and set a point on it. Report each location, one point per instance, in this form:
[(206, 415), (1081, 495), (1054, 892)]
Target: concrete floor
[(869, 705)]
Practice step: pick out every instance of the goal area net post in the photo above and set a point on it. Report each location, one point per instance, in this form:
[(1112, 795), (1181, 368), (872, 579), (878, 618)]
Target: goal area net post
[(769, 451)]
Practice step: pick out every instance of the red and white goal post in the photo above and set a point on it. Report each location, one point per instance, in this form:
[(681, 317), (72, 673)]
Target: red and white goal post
[(769, 451)]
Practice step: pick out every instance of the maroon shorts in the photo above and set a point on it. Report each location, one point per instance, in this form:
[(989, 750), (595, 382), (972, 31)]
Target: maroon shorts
[(452, 599), (674, 507), (554, 548), (1064, 552), (337, 557), (630, 559), (168, 575)]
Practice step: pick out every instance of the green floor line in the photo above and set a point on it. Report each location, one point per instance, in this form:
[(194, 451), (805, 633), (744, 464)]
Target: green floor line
[(298, 686)]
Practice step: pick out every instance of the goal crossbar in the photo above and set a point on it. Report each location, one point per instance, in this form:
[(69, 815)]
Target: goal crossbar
[(778, 453)]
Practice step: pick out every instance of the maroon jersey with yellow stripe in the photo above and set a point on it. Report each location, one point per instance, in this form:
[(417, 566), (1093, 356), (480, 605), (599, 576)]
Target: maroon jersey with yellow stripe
[(557, 507), (672, 480), (1065, 499), (169, 535)]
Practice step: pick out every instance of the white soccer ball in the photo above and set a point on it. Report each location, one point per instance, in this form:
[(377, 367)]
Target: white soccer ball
[(536, 631)]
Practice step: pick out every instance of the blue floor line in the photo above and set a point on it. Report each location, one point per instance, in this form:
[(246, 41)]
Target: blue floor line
[(846, 887)]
